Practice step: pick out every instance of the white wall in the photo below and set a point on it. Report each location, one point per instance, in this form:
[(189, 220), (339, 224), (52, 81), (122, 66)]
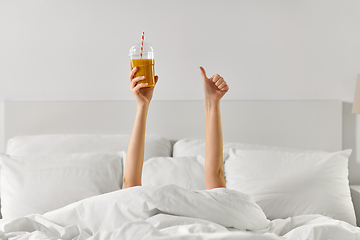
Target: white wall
[(278, 49)]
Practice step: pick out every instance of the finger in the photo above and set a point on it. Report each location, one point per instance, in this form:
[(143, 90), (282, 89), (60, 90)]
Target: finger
[(137, 79), (134, 81), (226, 88), (156, 79), (219, 81), (132, 73), (203, 73), (222, 85), (139, 86), (131, 66), (215, 78)]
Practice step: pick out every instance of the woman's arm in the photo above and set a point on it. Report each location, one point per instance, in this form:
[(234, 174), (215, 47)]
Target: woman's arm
[(214, 175), (214, 89), (135, 152)]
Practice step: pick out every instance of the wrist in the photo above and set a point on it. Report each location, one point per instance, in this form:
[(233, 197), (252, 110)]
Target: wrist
[(143, 105), (212, 104)]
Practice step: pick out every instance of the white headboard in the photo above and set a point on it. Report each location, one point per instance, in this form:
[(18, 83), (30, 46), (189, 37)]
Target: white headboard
[(312, 125)]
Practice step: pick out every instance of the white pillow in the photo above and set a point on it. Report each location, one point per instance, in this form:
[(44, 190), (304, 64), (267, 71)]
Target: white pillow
[(186, 172), (287, 184), (193, 147), (155, 145), (84, 143), (37, 184)]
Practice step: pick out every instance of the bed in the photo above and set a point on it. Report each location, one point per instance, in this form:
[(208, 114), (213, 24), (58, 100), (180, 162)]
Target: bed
[(285, 167)]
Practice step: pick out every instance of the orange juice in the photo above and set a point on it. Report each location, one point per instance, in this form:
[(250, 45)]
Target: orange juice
[(145, 68)]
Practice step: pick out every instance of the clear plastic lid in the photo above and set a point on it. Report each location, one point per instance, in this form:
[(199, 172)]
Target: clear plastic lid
[(148, 51)]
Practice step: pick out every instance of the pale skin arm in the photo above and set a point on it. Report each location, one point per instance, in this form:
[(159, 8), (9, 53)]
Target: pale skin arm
[(214, 89), (135, 152)]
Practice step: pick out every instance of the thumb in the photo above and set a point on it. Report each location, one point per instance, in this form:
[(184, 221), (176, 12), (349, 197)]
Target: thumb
[(203, 73)]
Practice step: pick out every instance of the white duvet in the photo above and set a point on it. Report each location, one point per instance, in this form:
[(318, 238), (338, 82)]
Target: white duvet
[(171, 212)]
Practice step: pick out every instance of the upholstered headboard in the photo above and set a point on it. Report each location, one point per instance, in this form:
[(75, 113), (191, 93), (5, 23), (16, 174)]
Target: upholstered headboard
[(313, 125)]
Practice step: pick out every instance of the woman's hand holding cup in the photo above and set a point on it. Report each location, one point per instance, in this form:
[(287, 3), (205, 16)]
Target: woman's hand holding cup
[(142, 93)]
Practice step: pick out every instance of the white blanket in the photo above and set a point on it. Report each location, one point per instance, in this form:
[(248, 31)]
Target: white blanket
[(171, 212)]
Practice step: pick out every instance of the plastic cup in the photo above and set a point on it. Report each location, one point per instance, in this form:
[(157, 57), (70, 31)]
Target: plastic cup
[(145, 63)]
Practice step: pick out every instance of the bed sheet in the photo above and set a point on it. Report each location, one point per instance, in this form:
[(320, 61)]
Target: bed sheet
[(171, 212)]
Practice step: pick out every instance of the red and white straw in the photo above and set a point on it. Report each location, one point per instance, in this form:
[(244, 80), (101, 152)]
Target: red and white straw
[(142, 44)]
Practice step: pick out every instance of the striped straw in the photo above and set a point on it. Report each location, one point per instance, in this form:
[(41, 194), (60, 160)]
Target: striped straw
[(142, 44)]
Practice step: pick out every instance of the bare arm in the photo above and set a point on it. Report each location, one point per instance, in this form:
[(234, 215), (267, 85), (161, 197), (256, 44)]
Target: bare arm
[(135, 152), (214, 89), (214, 175), (136, 148)]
